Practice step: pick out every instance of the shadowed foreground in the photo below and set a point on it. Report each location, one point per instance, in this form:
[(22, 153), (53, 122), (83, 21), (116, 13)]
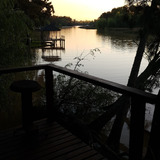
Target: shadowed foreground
[(46, 141)]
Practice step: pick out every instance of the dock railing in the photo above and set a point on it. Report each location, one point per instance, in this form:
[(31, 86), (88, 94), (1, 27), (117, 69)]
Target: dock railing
[(138, 104)]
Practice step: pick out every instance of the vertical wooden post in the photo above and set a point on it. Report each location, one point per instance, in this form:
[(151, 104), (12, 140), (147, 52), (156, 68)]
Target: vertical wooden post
[(60, 43), (49, 93), (64, 43), (27, 109), (136, 128), (153, 152), (42, 38)]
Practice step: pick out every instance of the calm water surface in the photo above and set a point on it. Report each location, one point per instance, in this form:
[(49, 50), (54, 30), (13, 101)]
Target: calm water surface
[(117, 52)]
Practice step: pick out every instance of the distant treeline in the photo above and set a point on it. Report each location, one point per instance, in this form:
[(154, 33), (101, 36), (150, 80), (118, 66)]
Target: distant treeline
[(122, 17), (41, 13), (67, 21)]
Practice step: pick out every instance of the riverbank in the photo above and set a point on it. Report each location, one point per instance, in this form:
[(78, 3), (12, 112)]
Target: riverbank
[(88, 27)]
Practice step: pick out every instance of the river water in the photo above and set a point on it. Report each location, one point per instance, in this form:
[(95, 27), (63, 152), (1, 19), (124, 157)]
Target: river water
[(113, 62)]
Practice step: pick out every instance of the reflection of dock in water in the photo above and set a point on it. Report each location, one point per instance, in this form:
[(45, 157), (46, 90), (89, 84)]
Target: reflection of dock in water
[(50, 55), (52, 44), (51, 58)]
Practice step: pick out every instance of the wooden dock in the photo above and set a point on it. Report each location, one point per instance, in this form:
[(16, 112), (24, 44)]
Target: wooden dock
[(47, 141), (55, 43)]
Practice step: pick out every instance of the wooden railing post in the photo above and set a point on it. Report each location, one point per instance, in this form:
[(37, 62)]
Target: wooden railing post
[(49, 93), (136, 128), (153, 152)]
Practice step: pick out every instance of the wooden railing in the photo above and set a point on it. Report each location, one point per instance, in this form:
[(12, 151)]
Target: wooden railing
[(138, 105)]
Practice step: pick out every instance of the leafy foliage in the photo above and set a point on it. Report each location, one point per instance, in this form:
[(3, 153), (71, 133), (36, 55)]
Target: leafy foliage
[(40, 11), (122, 17), (14, 29), (79, 98), (62, 21), (152, 72)]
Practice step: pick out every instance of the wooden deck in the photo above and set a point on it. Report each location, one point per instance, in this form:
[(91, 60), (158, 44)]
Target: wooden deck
[(15, 144), (47, 141)]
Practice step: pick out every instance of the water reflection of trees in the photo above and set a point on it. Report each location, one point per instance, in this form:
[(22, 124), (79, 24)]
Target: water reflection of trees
[(51, 55), (119, 38)]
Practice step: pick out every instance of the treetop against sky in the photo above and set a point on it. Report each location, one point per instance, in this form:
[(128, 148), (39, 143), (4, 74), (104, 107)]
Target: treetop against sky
[(84, 9)]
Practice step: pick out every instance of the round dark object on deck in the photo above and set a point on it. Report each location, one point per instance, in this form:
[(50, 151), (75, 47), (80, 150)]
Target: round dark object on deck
[(25, 86)]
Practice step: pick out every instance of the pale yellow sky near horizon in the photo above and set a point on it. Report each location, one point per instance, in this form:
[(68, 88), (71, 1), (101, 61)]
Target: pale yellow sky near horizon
[(84, 9)]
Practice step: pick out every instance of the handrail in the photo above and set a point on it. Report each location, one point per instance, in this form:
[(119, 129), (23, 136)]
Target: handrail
[(148, 97), (138, 101), (22, 69)]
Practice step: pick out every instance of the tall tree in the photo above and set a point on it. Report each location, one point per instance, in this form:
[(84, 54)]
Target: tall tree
[(14, 27), (120, 107), (40, 11)]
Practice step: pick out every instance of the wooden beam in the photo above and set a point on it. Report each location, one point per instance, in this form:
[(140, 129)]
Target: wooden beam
[(153, 152), (136, 128), (150, 98), (49, 93)]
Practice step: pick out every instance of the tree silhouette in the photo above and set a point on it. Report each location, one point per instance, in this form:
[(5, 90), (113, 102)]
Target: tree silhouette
[(40, 11), (142, 81)]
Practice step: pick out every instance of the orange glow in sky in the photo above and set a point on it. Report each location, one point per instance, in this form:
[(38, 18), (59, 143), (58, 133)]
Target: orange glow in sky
[(84, 9)]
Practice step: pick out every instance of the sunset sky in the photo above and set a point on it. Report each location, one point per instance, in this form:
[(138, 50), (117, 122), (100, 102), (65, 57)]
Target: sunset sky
[(84, 9)]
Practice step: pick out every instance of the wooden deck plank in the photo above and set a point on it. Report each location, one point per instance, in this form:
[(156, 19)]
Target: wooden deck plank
[(58, 153), (84, 155), (49, 141)]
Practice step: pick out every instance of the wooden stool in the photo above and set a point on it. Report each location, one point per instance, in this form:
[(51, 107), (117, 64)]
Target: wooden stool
[(26, 87)]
